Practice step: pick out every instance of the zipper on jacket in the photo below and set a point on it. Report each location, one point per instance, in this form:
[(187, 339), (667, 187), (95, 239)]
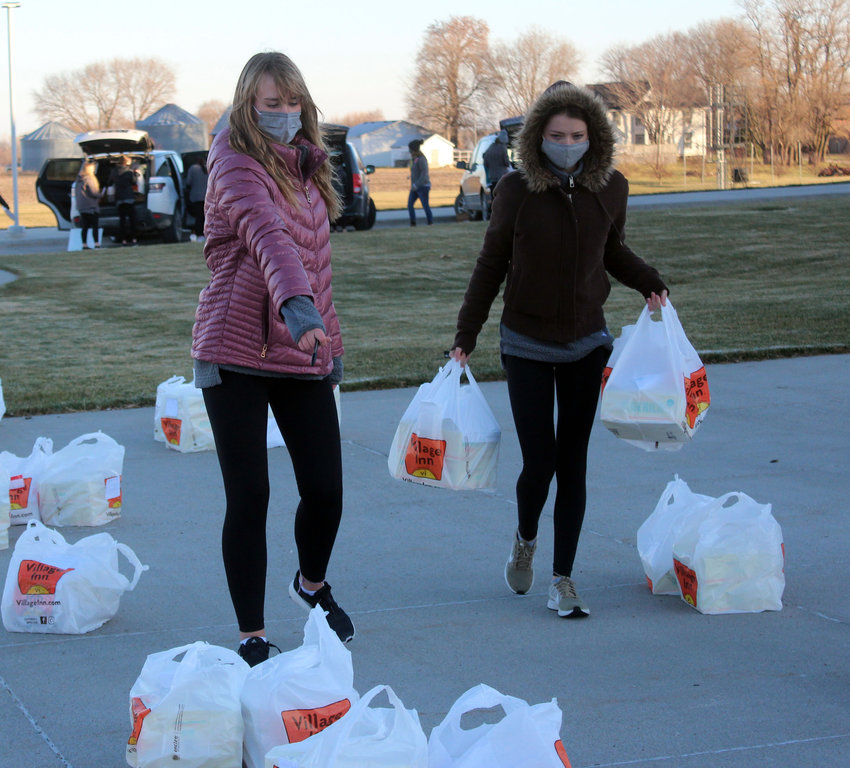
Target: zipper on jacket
[(265, 348), (307, 194)]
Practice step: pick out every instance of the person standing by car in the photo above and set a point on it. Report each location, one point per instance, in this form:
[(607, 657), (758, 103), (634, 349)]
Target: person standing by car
[(420, 182), (266, 334), (496, 160), (557, 231), (88, 194), (196, 190), (123, 178)]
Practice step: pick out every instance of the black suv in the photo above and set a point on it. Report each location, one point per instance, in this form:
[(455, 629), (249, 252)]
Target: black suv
[(358, 208)]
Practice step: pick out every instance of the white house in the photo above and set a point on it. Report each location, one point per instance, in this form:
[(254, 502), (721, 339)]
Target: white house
[(685, 127), (384, 143)]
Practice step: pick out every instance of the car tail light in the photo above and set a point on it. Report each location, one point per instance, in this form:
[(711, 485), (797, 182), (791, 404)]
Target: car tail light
[(357, 182), (156, 186)]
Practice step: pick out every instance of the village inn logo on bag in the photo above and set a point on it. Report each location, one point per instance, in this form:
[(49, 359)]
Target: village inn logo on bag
[(424, 457)]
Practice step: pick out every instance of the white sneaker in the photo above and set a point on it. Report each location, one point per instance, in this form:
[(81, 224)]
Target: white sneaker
[(564, 599), (518, 571)]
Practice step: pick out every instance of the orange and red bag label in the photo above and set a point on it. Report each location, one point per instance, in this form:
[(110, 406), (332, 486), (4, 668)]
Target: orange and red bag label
[(697, 396), (140, 712), (562, 753), (19, 491), (171, 429), (35, 578), (113, 491), (302, 723), (424, 457), (606, 374), (687, 582)]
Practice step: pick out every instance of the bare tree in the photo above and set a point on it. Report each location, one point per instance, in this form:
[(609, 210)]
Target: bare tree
[(210, 112), (355, 118), (524, 68), (105, 94), (453, 72), (653, 81), (802, 78)]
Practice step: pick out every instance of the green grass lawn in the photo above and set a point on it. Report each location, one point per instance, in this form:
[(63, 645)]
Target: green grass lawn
[(102, 329)]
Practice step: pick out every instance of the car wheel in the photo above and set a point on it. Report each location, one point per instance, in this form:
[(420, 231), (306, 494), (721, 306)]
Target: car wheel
[(173, 232), (485, 209), (367, 221), (460, 208)]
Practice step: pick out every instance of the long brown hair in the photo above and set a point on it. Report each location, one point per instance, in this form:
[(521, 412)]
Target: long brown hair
[(247, 138)]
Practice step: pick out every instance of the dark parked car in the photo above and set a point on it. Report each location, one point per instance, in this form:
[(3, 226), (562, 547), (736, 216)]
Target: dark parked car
[(358, 208), (475, 198)]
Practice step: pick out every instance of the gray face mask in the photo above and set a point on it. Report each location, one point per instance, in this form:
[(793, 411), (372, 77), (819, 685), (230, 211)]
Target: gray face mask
[(281, 126), (564, 156)]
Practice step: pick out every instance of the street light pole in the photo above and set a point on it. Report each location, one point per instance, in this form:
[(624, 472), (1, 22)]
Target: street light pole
[(15, 228)]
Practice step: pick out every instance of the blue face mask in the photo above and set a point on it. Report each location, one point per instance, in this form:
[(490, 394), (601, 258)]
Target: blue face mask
[(281, 126), (564, 156)]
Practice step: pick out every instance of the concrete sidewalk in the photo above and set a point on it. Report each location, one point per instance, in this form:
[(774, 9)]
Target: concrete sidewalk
[(645, 681)]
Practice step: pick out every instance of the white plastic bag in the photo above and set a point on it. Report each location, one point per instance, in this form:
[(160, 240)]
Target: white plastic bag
[(526, 737), (448, 437), (5, 505), (181, 421), (366, 736), (296, 694), (82, 482), (655, 537), (184, 709), (61, 588), (25, 473), (734, 560), (654, 390), (180, 417)]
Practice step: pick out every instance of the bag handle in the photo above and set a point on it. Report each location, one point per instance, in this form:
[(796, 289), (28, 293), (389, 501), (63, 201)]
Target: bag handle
[(326, 754), (38, 531), (97, 437), (481, 697), (138, 568)]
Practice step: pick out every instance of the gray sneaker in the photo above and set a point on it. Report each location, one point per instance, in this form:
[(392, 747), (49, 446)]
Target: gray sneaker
[(518, 571), (564, 599)]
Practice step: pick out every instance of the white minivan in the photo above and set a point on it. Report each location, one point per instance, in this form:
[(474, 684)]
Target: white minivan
[(160, 198)]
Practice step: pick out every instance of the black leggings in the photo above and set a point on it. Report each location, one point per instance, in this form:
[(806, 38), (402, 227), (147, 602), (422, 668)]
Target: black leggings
[(90, 221), (549, 452), (307, 417), (127, 221)]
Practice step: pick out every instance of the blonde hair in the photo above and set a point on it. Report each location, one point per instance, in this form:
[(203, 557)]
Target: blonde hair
[(247, 138)]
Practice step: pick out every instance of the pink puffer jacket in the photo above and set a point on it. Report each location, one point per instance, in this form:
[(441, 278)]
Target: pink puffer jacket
[(262, 251)]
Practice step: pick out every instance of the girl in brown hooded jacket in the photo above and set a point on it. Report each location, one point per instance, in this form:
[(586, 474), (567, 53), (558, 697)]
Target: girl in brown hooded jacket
[(556, 232)]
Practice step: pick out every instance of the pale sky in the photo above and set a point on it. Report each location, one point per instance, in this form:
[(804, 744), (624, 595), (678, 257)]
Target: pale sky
[(356, 55)]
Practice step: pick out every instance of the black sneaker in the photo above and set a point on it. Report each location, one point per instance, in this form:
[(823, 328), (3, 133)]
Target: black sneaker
[(255, 650), (338, 619)]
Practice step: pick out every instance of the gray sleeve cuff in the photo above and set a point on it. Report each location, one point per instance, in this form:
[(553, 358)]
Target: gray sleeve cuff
[(300, 315), (335, 376)]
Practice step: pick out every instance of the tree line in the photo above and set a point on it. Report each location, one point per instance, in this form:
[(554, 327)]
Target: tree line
[(778, 76)]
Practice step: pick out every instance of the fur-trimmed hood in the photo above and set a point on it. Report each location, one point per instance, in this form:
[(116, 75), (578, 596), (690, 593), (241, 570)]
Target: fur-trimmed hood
[(598, 162)]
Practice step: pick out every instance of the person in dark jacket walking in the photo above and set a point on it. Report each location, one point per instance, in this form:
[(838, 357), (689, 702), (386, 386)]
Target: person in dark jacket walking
[(123, 177), (557, 231), (266, 334), (420, 182), (196, 191), (496, 160)]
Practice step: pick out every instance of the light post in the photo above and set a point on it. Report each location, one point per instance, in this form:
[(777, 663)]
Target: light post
[(15, 229)]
